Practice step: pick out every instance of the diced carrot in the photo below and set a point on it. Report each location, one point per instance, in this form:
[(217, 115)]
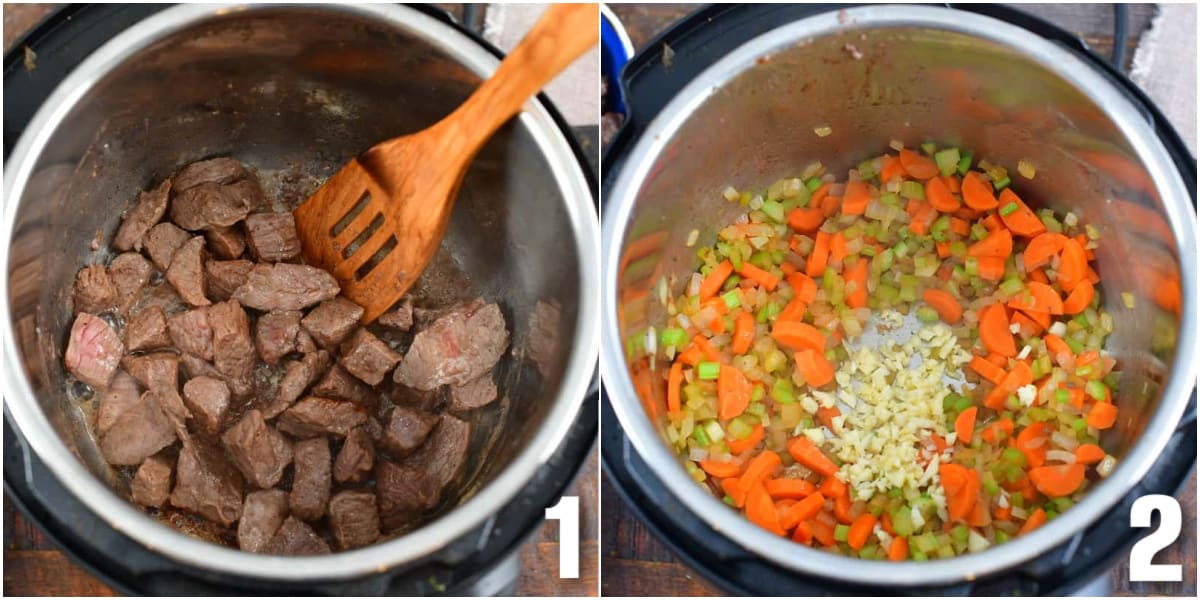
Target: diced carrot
[(804, 286), (808, 454), (856, 198), (1056, 481), (1003, 513), (730, 486), (1103, 415), (1072, 265), (992, 433), (1089, 454), (939, 196), (760, 510), (760, 469), (826, 414), (861, 529), (748, 442), (1083, 243), (986, 369), (733, 393), (964, 424), (960, 494), (1033, 442), (794, 311), (1080, 298), (1020, 375), (952, 183), (816, 369), (923, 219), (856, 284), (917, 166), (819, 195), (898, 550), (890, 169), (990, 268), (1037, 297), (712, 284), (943, 249), (823, 532), (977, 192), (796, 336), (795, 489), (1042, 319), (1041, 248), (815, 267), (979, 516), (805, 509), (787, 268), (803, 534), (1035, 520), (832, 487), (1039, 276), (997, 359), (691, 356), (743, 332), (829, 205), (806, 220), (994, 332), (841, 509), (1021, 221), (885, 523), (960, 226), (674, 381), (720, 469), (997, 244), (837, 247), (1058, 348), (1029, 327), (992, 222), (946, 305), (763, 278)]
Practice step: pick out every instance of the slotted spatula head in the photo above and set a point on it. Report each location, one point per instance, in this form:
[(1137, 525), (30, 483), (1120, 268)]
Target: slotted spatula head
[(379, 220)]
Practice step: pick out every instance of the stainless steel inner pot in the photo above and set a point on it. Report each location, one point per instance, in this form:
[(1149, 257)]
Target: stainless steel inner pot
[(874, 74), (294, 91)]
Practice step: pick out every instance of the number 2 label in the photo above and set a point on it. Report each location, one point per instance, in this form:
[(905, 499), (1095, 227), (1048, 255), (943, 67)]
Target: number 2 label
[(566, 512), (1141, 556)]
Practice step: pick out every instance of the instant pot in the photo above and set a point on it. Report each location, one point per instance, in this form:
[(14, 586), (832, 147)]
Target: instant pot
[(734, 94), (122, 95)]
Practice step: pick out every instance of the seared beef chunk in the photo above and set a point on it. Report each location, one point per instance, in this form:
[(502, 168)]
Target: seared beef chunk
[(353, 519), (296, 538), (368, 357), (297, 376), (147, 330), (480, 392), (272, 236), (225, 242), (122, 393), (544, 324), (445, 452), (151, 485), (191, 333), (285, 286), (233, 349), (258, 450), (426, 400), (332, 320), (172, 404), (136, 222), (93, 351), (130, 271), (315, 416), (310, 485), (275, 334), (163, 241), (193, 366), (456, 349), (221, 171), (356, 458), (210, 205), (404, 489), (400, 317), (141, 430), (304, 342), (186, 272), (208, 400), (262, 514), (95, 291), (207, 484), (226, 276), (340, 385), (406, 430), (157, 370)]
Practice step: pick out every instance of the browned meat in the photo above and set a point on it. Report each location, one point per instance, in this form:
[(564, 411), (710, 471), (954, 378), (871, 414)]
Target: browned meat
[(191, 333), (340, 385), (332, 320), (193, 366), (151, 485), (353, 519), (225, 242), (258, 450), (456, 349), (476, 394), (356, 458), (93, 351), (122, 393), (297, 376), (262, 514), (175, 410), (404, 489), (233, 349), (186, 272), (304, 342), (210, 205), (208, 400), (296, 538), (157, 370), (545, 322), (163, 241), (95, 291), (225, 277), (130, 272), (368, 357), (444, 453), (147, 330), (248, 193), (426, 400), (275, 334), (136, 222), (406, 430), (207, 484), (141, 430), (310, 485), (272, 236), (285, 286), (220, 171), (400, 317), (315, 416)]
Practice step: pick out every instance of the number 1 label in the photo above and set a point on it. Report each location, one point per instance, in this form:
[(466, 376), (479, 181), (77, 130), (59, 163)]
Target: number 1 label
[(1141, 556), (566, 512)]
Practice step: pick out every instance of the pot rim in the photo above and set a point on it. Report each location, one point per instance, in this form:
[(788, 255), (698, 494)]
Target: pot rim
[(118, 512), (647, 441)]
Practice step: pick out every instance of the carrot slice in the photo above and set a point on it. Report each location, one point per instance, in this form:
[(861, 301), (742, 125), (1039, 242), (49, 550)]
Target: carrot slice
[(1037, 297), (808, 454), (997, 244), (960, 226), (1058, 349), (674, 380), (994, 331), (759, 469), (1079, 298), (721, 469), (707, 348), (841, 509), (964, 424), (759, 276), (1021, 221), (1089, 454), (1036, 519), (1029, 327), (825, 415), (804, 287), (803, 534), (729, 485), (991, 433), (1072, 265), (748, 442), (806, 220), (794, 311), (794, 489), (1033, 442), (743, 332), (760, 509), (1103, 415), (856, 198), (1056, 481), (917, 166), (733, 393), (890, 168), (796, 336), (946, 305), (819, 257), (712, 284), (990, 267), (832, 487), (816, 369), (861, 529), (804, 510), (898, 551), (939, 196), (1042, 248), (856, 284), (691, 356), (977, 192), (986, 369), (957, 484)]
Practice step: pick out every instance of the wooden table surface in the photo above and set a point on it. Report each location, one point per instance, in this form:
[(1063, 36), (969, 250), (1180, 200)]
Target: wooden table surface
[(33, 566), (634, 563)]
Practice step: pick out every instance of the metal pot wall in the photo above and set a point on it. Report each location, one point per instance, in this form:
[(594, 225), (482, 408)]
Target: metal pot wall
[(294, 92), (874, 74)]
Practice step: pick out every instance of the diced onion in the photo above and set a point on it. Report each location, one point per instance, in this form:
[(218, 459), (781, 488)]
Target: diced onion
[(1061, 456), (1106, 466), (1065, 442)]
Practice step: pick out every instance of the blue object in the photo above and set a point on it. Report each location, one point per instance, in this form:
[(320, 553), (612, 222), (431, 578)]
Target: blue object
[(615, 51)]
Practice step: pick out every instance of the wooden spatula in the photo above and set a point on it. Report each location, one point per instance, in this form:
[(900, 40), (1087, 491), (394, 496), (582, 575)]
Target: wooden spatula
[(379, 220)]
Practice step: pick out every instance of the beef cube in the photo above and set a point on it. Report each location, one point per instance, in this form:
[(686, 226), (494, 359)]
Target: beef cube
[(426, 400), (186, 272), (356, 458), (304, 342), (136, 222), (220, 171), (191, 333), (147, 330), (310, 485), (285, 286), (208, 400), (459, 347), (332, 320), (93, 351), (400, 317), (444, 453), (275, 334), (210, 205), (130, 272), (272, 236), (296, 538), (406, 430), (175, 410), (233, 348), (368, 357), (542, 340), (353, 519), (340, 385), (476, 394), (258, 450), (262, 514), (95, 291), (314, 416), (226, 243), (141, 430), (151, 485), (424, 317), (226, 276), (248, 193), (298, 375), (155, 371), (206, 484), (122, 393), (193, 366), (163, 241), (404, 489)]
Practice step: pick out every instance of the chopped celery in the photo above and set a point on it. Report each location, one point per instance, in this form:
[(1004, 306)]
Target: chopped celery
[(964, 164), (912, 190), (701, 437), (947, 160), (672, 336), (774, 210), (782, 391), (1008, 209), (708, 370), (1097, 390), (732, 299), (841, 532), (929, 148), (1002, 183), (927, 315), (812, 184)]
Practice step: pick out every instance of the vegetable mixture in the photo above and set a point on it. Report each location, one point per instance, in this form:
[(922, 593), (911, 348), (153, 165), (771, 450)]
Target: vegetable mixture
[(973, 417)]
